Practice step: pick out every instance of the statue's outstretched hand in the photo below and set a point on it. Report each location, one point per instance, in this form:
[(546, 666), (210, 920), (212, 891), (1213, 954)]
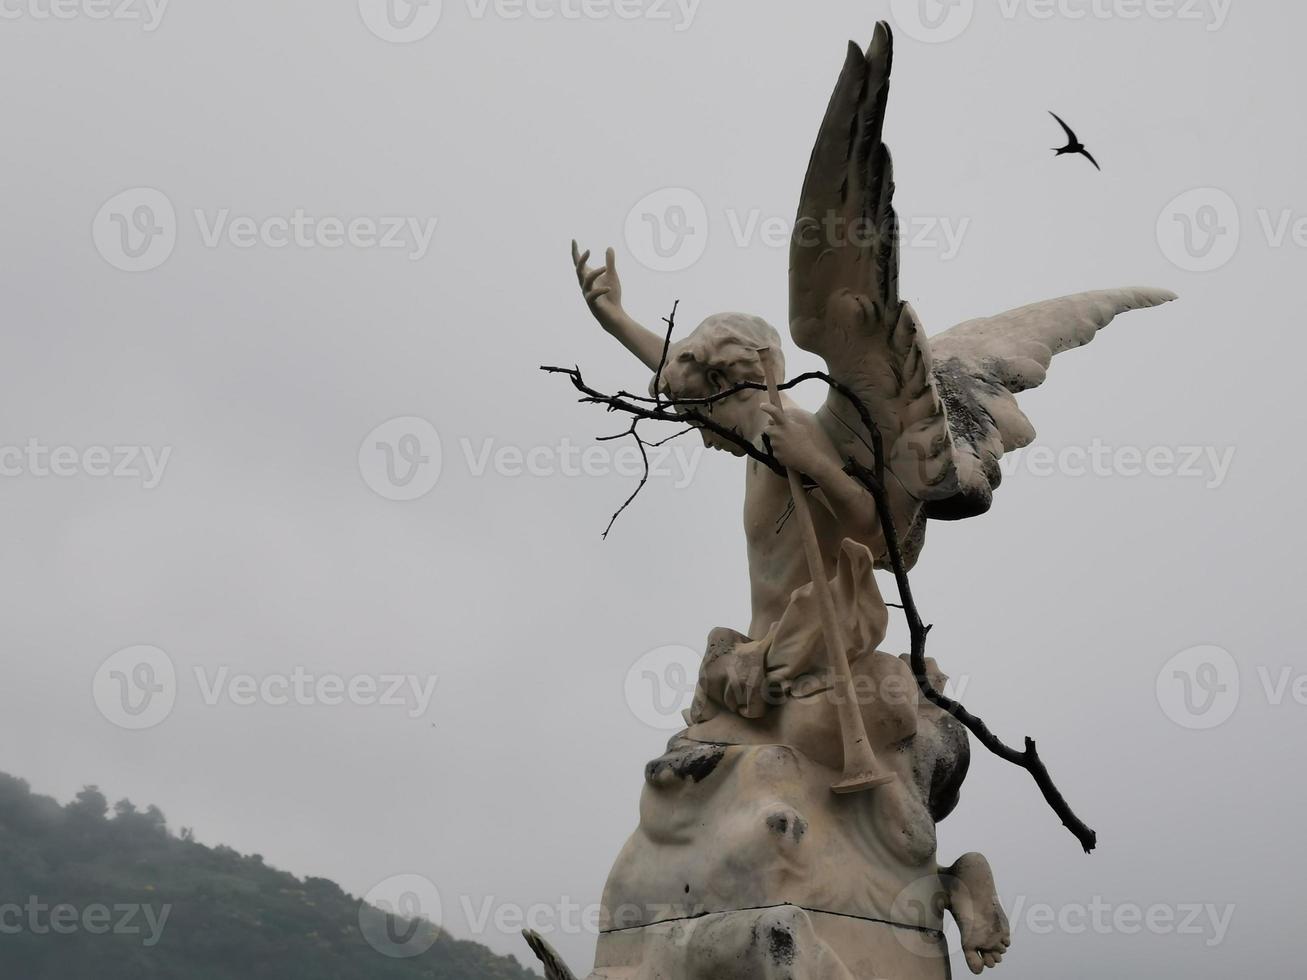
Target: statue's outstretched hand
[(603, 294), (601, 287)]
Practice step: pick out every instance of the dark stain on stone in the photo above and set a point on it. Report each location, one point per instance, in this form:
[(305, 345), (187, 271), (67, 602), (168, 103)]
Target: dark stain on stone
[(781, 825), (697, 763), (971, 426), (781, 947)]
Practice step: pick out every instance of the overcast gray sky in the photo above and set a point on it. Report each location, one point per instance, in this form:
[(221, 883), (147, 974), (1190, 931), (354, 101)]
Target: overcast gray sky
[(241, 238)]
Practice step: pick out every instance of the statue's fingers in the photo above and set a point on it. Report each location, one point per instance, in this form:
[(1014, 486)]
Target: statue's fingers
[(591, 276), (594, 294), (610, 261), (974, 962)]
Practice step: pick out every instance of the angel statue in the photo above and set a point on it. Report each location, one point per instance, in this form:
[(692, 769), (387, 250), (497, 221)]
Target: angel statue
[(744, 864)]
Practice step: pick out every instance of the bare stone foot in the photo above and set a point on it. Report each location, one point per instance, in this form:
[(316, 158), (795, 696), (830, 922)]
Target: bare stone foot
[(973, 899)]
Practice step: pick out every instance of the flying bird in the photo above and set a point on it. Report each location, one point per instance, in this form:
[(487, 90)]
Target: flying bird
[(1074, 145)]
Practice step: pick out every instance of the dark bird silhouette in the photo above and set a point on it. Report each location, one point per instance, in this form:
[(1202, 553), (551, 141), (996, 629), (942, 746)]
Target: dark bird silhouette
[(1074, 145)]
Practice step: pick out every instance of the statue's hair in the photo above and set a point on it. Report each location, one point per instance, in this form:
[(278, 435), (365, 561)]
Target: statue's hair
[(720, 352)]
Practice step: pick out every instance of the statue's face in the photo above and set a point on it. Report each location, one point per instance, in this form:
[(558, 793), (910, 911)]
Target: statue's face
[(740, 413), (721, 353)]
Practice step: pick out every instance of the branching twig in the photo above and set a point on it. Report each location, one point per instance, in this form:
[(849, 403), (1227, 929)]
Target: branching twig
[(918, 630), (660, 409), (634, 430)]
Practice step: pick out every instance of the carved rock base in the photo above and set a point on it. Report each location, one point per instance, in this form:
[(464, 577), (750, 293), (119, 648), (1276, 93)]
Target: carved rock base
[(782, 943)]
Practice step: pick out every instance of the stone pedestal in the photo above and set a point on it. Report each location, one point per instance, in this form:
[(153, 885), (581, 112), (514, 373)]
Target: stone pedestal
[(745, 861), (781, 943)]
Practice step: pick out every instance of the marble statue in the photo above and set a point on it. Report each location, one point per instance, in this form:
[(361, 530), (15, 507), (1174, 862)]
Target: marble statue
[(745, 864)]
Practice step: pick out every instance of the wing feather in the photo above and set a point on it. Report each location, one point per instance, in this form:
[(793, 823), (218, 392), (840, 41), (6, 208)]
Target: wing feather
[(981, 365), (844, 286)]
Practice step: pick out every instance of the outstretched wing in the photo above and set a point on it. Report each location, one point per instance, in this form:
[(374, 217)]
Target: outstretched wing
[(844, 295), (1073, 140), (980, 365)]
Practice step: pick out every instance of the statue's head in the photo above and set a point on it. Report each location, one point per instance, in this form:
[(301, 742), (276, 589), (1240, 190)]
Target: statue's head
[(721, 353)]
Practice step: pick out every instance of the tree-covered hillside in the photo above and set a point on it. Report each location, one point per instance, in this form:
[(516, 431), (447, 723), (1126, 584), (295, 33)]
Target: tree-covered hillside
[(89, 892)]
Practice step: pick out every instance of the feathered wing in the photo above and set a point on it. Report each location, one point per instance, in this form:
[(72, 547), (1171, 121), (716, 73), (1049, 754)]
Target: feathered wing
[(555, 968), (945, 408), (980, 366), (844, 295)]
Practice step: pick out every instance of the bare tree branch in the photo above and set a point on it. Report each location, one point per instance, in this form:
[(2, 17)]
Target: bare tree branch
[(660, 409)]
